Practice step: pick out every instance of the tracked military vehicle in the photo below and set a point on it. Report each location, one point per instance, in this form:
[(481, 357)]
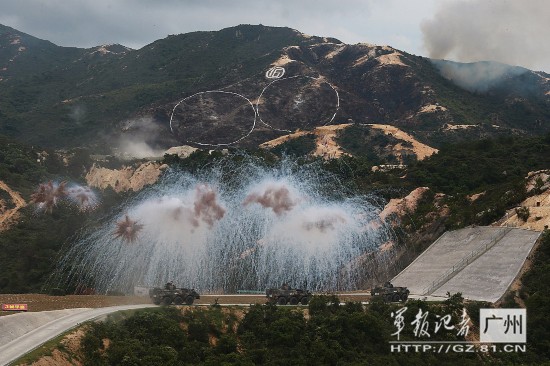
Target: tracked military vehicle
[(171, 294), (390, 293), (287, 295)]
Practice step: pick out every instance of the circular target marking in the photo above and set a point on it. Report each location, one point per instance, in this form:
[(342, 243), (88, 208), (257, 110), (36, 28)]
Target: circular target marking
[(275, 72), (213, 92), (258, 101)]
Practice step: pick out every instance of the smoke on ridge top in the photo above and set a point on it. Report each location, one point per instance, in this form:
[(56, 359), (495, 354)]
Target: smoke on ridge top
[(506, 31)]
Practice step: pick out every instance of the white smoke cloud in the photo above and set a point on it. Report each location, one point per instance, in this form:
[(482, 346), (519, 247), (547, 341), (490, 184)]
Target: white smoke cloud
[(508, 31), (137, 139), (77, 113), (478, 76)]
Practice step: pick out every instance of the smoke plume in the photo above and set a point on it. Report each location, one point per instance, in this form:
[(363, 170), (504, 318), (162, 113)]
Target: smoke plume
[(139, 139), (206, 206), (48, 195), (506, 31), (274, 195), (195, 230), (477, 76)]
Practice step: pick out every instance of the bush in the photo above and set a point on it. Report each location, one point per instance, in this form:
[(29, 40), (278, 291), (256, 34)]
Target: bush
[(523, 213)]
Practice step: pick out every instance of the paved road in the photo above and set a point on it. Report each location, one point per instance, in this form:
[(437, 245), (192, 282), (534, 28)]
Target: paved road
[(23, 332), (35, 338)]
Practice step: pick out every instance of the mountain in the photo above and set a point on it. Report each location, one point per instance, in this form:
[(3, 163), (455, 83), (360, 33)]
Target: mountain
[(64, 96)]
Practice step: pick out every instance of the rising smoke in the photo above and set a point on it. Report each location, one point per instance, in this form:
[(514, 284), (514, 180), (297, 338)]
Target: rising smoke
[(477, 77), (139, 139), (507, 31), (233, 226), (48, 195), (273, 195)]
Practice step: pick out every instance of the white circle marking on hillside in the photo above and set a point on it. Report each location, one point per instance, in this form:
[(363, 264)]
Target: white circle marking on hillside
[(293, 77), (223, 92)]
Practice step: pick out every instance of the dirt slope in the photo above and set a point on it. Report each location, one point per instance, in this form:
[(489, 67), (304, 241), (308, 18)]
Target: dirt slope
[(421, 150), (125, 179), (8, 216), (326, 145), (538, 184)]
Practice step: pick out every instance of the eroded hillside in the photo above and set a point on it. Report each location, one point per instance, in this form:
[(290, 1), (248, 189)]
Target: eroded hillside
[(9, 208)]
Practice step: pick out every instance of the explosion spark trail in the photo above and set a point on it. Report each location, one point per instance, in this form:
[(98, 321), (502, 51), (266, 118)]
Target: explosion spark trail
[(234, 226), (127, 229), (83, 197), (48, 195)]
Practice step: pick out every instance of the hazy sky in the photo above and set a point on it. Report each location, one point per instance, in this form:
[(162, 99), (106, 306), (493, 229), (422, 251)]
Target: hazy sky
[(510, 31)]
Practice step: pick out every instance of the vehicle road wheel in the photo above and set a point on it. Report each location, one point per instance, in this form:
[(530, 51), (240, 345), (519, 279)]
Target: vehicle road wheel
[(281, 300), (167, 300), (305, 300), (404, 297), (293, 301), (396, 298), (189, 300), (156, 301), (178, 300), (387, 298)]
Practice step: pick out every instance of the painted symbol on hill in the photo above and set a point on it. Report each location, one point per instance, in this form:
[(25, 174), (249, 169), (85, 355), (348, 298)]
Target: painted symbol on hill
[(275, 72)]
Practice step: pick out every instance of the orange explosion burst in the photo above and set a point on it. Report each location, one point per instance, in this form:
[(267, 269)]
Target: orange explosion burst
[(47, 195), (127, 229), (83, 197)]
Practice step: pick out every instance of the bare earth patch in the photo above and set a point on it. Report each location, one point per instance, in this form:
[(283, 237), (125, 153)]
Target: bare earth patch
[(9, 216), (125, 179), (538, 204), (400, 206), (326, 145), (70, 356), (450, 127), (421, 150), (430, 108)]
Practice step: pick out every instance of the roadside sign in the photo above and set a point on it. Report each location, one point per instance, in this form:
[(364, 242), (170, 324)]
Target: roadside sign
[(15, 307)]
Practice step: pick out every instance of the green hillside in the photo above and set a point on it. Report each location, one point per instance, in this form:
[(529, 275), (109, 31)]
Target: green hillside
[(65, 97)]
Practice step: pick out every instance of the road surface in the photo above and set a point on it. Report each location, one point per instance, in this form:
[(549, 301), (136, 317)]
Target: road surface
[(27, 342), (23, 332)]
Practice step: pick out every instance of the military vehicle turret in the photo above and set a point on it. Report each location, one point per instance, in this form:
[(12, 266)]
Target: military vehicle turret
[(287, 295), (171, 294), (390, 293)]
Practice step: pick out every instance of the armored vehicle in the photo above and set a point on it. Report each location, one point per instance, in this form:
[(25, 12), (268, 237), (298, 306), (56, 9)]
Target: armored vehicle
[(287, 295), (389, 293), (171, 294)]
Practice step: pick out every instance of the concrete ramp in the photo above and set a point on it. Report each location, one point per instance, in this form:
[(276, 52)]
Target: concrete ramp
[(479, 262), (489, 276)]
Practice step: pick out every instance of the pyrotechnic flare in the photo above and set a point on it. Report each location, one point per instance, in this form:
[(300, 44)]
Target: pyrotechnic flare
[(83, 197), (277, 197), (194, 229), (47, 195), (127, 229), (206, 206)]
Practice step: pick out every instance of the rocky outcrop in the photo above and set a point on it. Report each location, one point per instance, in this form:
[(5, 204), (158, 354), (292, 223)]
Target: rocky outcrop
[(181, 151), (534, 212), (403, 206), (126, 178)]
